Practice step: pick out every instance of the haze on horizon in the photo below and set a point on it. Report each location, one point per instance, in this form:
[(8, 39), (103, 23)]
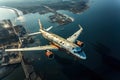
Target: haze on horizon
[(26, 0)]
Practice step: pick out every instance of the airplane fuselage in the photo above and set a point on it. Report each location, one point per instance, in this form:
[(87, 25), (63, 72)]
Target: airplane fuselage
[(61, 42)]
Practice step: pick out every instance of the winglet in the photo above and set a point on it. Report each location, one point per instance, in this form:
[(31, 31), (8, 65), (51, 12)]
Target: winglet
[(40, 24), (80, 27)]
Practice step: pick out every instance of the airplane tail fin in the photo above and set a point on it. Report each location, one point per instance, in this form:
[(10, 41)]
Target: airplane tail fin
[(41, 27)]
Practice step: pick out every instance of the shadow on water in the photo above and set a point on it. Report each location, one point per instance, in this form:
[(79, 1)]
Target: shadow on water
[(6, 70), (76, 71), (108, 60)]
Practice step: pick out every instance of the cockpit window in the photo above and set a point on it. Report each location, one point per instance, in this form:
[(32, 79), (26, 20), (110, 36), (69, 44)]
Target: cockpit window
[(77, 50)]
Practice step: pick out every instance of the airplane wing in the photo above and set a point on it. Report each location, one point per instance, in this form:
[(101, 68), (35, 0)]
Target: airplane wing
[(47, 47), (75, 35)]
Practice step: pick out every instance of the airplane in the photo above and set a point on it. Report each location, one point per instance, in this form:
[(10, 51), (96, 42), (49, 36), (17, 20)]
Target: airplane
[(70, 45)]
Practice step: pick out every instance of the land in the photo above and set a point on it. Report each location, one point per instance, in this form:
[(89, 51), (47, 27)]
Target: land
[(59, 18), (75, 6), (10, 41), (12, 58)]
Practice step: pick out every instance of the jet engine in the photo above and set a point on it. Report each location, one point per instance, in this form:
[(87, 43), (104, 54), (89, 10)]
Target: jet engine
[(79, 43), (49, 54)]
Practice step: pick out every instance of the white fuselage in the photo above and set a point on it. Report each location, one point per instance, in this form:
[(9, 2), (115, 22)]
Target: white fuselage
[(61, 42)]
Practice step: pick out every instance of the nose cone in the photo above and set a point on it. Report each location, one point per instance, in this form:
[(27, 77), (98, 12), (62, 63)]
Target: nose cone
[(82, 55)]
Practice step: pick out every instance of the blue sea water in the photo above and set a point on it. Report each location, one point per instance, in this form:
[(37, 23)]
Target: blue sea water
[(101, 35)]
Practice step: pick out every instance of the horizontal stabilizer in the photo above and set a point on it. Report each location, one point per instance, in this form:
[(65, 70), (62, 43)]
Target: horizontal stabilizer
[(49, 28), (32, 34)]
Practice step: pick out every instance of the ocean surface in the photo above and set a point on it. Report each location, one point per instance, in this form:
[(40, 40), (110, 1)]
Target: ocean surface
[(101, 35)]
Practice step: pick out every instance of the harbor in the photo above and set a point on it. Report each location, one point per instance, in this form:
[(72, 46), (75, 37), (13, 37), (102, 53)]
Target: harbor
[(15, 37)]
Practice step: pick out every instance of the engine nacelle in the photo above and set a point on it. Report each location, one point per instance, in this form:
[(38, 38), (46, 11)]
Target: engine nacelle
[(79, 43), (49, 54)]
